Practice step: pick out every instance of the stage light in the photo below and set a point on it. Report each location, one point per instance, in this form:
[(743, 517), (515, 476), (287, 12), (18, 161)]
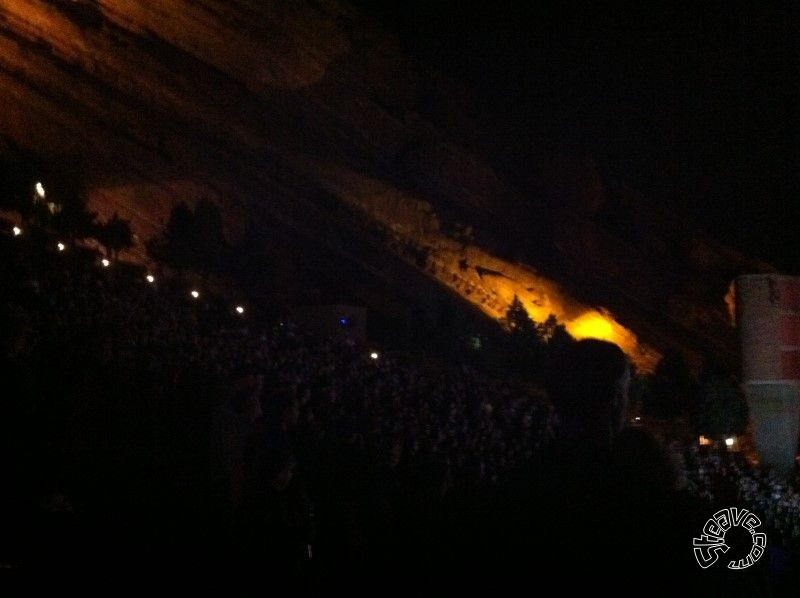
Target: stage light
[(40, 190), (150, 278), (105, 263), (239, 309), (195, 294), (61, 247), (17, 231)]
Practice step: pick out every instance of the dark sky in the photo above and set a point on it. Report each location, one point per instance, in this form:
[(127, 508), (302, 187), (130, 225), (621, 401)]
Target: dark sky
[(694, 103)]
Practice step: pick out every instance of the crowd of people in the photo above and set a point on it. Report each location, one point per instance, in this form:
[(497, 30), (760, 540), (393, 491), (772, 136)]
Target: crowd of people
[(146, 423)]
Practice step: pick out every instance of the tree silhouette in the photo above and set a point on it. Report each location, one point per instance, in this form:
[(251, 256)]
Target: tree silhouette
[(59, 206), (526, 346), (558, 338), (115, 235), (72, 220), (207, 237), (193, 239), (721, 405), (17, 179), (251, 262), (174, 247), (517, 320), (671, 387), (554, 333)]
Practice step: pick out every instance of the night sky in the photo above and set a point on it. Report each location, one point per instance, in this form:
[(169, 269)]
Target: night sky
[(695, 104)]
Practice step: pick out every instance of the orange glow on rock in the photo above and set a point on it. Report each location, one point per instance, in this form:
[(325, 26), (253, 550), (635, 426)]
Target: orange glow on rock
[(591, 325)]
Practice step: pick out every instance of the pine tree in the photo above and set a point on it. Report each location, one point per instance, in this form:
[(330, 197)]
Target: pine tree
[(517, 320), (115, 235)]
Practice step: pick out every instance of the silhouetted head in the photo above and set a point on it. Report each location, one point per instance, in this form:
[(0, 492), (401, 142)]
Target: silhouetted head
[(588, 384), (644, 464)]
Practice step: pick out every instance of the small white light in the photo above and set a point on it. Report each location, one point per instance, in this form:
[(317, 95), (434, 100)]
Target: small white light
[(374, 355), (17, 231), (61, 247), (195, 294), (40, 190), (637, 418), (239, 309), (729, 442), (105, 263), (150, 278)]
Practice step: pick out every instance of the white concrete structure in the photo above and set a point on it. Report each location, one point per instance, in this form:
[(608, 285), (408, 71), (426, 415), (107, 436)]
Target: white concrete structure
[(768, 321)]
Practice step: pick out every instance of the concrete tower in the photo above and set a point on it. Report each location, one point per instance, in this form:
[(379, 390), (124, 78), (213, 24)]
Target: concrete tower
[(768, 321)]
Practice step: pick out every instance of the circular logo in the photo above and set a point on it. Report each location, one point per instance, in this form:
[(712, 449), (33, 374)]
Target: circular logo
[(711, 543)]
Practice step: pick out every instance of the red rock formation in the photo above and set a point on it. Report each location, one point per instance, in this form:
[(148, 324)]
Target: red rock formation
[(305, 119)]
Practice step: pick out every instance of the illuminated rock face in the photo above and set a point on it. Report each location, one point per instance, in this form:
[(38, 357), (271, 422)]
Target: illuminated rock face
[(304, 119), (413, 231)]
